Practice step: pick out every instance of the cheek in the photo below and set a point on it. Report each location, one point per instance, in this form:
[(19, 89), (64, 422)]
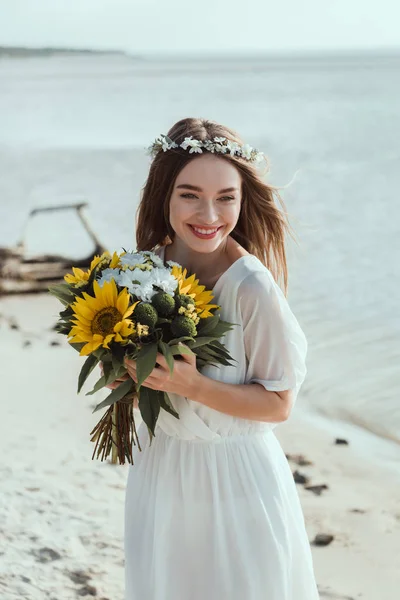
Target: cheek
[(232, 213), (179, 212)]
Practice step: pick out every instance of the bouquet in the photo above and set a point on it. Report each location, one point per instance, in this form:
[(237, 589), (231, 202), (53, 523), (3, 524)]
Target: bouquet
[(132, 305)]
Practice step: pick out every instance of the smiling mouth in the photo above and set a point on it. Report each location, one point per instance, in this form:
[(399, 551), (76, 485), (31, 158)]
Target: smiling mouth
[(205, 230)]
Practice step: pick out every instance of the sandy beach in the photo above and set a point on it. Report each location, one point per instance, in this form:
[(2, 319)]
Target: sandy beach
[(62, 513)]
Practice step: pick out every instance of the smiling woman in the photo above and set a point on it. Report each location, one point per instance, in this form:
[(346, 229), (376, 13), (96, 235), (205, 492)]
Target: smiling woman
[(211, 507)]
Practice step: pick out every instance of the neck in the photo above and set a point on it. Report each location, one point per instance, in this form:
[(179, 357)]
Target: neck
[(208, 266)]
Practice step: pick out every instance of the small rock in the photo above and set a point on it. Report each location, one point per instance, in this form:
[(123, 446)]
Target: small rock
[(32, 489), (25, 579), (13, 324), (317, 489), (341, 441), (358, 510), (300, 478), (45, 555), (79, 577), (87, 590), (299, 459), (55, 343), (323, 539), (27, 343)]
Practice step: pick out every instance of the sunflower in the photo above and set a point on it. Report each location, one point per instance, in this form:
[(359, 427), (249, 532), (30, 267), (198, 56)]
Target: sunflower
[(101, 319), (79, 276), (190, 286)]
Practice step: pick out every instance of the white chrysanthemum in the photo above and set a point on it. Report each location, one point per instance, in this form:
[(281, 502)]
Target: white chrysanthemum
[(259, 156), (219, 140), (143, 291), (162, 278), (172, 263), (108, 275), (124, 279), (154, 257), (140, 275), (131, 259)]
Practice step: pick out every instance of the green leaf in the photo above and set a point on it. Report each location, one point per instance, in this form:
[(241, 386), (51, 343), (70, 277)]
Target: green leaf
[(145, 362), (222, 328), (117, 356), (201, 341), (122, 390), (62, 292), (99, 384), (78, 347), (208, 325), (169, 357), (165, 403), (180, 349), (184, 338), (149, 406), (108, 372), (87, 368)]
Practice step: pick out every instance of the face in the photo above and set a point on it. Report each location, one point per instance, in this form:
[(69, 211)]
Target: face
[(205, 203)]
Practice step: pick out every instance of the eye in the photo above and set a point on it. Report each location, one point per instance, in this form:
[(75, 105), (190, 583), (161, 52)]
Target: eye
[(188, 195), (226, 198)]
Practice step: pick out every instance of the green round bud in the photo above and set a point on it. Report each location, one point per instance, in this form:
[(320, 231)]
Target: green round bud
[(163, 303), (183, 300), (145, 314), (182, 326)]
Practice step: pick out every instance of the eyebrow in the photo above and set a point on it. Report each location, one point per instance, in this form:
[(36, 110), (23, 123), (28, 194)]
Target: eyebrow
[(198, 189)]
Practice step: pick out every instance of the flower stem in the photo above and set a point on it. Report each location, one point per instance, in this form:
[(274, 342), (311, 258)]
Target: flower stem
[(114, 435)]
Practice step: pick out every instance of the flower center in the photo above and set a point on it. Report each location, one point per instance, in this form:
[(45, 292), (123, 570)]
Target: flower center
[(104, 321)]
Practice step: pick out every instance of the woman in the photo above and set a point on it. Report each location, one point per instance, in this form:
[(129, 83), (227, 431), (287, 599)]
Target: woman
[(212, 510)]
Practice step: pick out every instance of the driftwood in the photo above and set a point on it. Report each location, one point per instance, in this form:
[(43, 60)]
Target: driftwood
[(27, 275)]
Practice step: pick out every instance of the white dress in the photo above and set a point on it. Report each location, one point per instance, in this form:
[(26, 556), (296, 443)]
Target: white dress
[(211, 509)]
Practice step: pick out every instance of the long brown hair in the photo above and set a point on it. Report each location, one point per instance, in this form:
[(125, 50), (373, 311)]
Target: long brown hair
[(261, 226)]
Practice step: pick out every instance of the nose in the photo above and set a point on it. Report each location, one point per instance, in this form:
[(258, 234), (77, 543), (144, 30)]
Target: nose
[(209, 213)]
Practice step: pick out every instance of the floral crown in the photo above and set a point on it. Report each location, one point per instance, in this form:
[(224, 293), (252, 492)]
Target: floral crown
[(220, 145)]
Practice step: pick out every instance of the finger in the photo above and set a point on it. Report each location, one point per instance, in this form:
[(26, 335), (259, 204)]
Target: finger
[(161, 360), (130, 363)]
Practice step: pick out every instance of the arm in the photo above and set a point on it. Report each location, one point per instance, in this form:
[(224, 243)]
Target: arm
[(275, 349), (247, 401)]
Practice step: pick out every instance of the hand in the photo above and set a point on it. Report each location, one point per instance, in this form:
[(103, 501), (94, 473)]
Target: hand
[(182, 381), (118, 382), (115, 383)]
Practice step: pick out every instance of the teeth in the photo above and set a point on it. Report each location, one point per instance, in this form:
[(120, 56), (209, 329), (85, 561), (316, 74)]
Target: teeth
[(205, 231)]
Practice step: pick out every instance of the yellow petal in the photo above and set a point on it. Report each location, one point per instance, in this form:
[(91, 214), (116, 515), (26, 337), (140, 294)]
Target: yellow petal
[(123, 301)]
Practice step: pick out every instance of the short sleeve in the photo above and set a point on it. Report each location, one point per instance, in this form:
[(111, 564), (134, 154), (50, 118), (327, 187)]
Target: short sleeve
[(275, 344)]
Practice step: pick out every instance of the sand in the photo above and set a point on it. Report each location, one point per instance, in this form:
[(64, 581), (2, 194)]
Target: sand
[(61, 514)]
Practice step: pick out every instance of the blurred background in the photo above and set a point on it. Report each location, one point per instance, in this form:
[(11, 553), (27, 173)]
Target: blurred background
[(85, 87)]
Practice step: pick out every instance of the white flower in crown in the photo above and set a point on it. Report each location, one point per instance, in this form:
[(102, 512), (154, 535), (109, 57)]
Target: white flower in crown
[(246, 151), (209, 145), (195, 145), (219, 140), (167, 144), (232, 147)]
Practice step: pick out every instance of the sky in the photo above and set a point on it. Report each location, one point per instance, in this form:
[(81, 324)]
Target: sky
[(205, 26)]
